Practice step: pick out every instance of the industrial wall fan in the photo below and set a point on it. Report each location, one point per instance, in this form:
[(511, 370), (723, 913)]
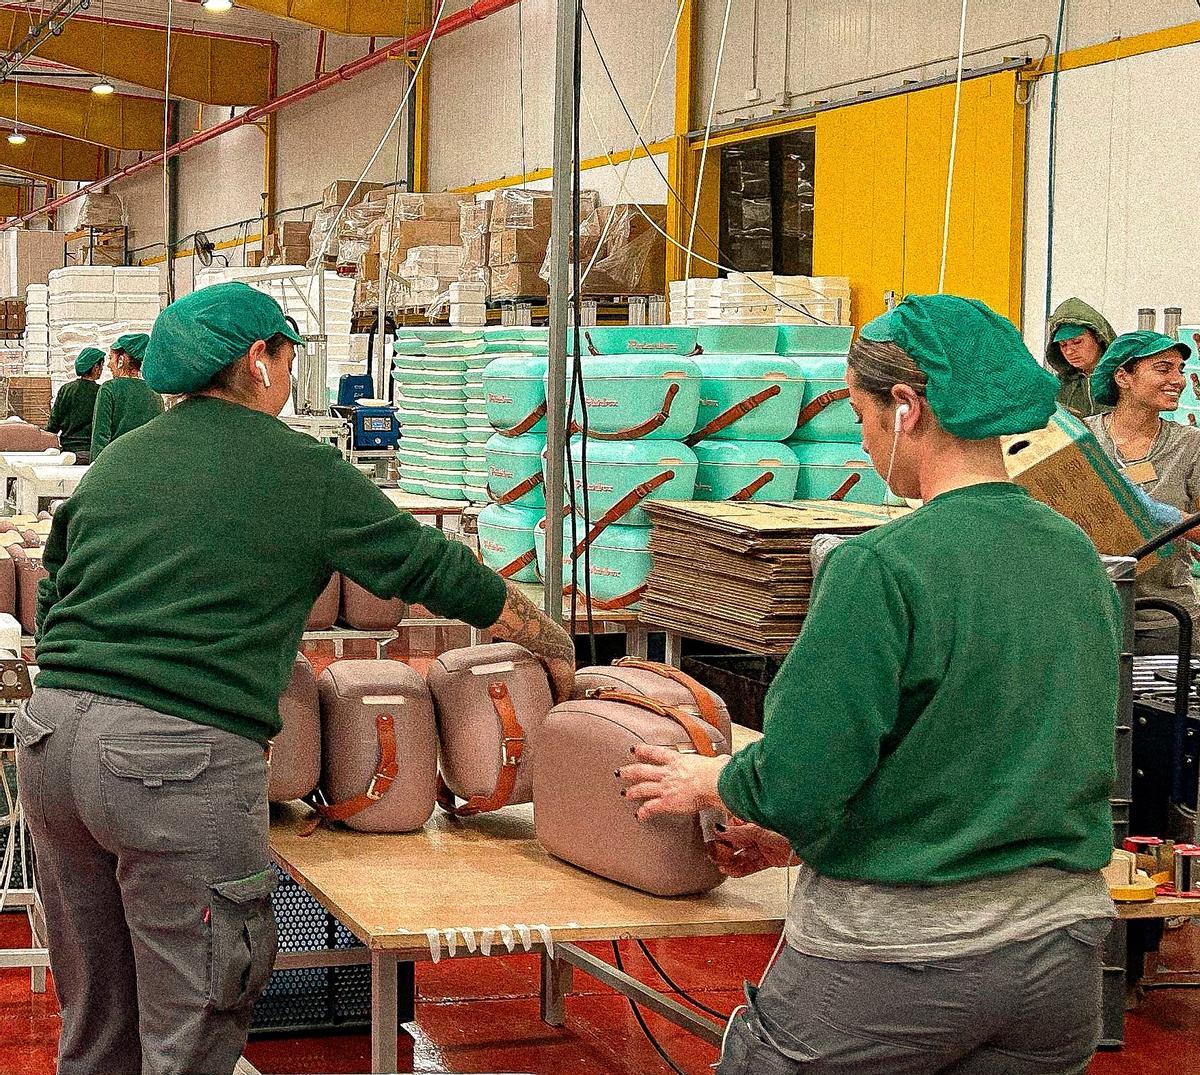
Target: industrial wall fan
[(203, 248)]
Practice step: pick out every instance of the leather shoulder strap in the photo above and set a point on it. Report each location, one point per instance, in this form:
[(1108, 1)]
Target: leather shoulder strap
[(526, 423), (732, 414), (512, 746), (825, 399), (695, 731), (381, 782), (705, 705), (641, 429)]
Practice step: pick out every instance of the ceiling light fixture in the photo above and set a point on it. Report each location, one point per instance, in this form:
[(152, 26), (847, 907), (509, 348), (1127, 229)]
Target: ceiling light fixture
[(103, 88), (16, 138), (216, 5)]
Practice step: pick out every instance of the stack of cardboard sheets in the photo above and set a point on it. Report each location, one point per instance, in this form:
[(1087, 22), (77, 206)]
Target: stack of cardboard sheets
[(740, 574)]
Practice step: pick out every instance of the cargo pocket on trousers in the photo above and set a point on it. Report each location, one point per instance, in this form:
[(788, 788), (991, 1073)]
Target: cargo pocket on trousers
[(154, 798), (752, 1047), (242, 940)]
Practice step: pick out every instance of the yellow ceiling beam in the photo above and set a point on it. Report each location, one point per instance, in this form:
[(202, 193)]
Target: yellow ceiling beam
[(214, 69), (119, 121), (364, 18), (49, 157)]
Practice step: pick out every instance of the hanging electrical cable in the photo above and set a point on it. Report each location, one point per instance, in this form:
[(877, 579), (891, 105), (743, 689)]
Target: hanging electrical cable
[(521, 84), (962, 46), (167, 215), (1052, 154), (387, 134), (712, 111), (641, 1020), (624, 175), (653, 224), (671, 983)]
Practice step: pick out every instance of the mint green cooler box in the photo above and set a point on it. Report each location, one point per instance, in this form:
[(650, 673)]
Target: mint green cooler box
[(836, 471), (514, 470), (745, 470), (506, 540), (631, 397), (633, 340), (619, 558), (623, 474), (762, 394), (514, 392), (820, 351)]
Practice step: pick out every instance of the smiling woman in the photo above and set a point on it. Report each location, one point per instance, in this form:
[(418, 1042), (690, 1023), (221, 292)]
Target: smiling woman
[(1141, 376)]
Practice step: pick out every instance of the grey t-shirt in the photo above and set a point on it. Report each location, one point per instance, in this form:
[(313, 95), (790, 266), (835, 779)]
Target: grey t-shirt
[(1175, 457), (857, 921)]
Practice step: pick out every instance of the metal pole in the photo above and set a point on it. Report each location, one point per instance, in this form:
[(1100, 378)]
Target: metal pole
[(556, 384)]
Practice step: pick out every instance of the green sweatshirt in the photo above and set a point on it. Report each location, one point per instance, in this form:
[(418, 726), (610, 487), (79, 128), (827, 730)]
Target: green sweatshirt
[(1076, 391), (124, 403), (184, 566), (71, 415), (948, 711)]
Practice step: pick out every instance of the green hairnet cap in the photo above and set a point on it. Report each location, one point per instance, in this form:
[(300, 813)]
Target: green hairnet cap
[(1069, 332), (982, 380), (86, 360), (133, 344), (1125, 349), (199, 335)]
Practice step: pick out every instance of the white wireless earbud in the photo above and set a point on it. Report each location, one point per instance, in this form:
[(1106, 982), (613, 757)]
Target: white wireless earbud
[(262, 368), (901, 411)]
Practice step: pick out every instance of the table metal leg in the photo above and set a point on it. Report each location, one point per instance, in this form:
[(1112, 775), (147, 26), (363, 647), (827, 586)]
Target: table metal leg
[(556, 984), (385, 1025), (674, 654)]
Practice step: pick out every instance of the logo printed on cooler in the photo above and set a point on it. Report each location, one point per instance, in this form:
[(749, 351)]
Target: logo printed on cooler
[(496, 397), (500, 472), (594, 402)]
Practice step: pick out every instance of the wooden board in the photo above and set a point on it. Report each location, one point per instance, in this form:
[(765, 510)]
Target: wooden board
[(489, 871)]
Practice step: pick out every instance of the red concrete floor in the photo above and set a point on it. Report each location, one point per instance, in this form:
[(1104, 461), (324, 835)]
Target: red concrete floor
[(481, 1015)]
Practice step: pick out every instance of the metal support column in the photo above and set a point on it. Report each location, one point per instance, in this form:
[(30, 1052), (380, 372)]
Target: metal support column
[(560, 239), (556, 984)]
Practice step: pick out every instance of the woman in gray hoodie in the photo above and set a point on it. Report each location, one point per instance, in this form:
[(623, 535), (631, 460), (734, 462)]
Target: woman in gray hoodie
[(1077, 336)]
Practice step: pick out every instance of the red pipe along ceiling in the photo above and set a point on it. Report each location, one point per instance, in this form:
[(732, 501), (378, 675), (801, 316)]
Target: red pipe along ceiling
[(475, 12)]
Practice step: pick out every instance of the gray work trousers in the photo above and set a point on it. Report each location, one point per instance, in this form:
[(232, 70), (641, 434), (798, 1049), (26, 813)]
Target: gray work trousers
[(1029, 1007), (151, 840)]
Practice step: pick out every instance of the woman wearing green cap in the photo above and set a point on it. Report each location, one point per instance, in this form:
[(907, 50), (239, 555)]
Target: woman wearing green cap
[(125, 402), (1141, 377), (937, 752), (181, 573), (1076, 338), (75, 405)]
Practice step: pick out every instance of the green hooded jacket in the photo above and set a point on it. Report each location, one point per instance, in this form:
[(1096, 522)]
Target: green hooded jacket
[(1075, 394)]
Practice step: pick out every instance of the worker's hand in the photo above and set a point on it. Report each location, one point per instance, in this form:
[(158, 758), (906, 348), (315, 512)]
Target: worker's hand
[(668, 782), (743, 849), (525, 624)]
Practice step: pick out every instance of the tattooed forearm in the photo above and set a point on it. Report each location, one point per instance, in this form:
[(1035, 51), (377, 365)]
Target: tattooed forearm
[(524, 623)]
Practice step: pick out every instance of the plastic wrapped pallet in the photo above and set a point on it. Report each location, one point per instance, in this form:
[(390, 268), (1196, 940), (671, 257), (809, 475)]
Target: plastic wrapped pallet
[(102, 210), (421, 206), (629, 253), (473, 221)]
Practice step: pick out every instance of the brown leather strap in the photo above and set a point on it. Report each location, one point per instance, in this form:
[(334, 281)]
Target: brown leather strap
[(762, 480), (512, 746), (526, 423), (822, 401), (694, 729), (629, 501), (705, 705), (519, 564), (738, 410), (648, 426), (381, 782), (842, 490), (518, 490), (613, 604)]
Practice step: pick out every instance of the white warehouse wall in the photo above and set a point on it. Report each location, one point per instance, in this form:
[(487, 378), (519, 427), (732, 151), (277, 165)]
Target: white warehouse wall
[(1126, 229), (826, 43)]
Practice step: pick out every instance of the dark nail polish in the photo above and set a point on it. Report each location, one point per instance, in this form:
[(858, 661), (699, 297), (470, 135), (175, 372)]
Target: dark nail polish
[(617, 773)]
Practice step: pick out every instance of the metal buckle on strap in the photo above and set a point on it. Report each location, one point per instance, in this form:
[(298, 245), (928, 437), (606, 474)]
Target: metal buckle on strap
[(373, 792), (512, 755)]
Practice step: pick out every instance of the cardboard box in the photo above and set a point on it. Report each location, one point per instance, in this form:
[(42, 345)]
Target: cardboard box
[(510, 246), (422, 206), (368, 268), (27, 257), (516, 208), (294, 255), (518, 281), (1064, 466), (339, 190), (294, 232), (254, 258)]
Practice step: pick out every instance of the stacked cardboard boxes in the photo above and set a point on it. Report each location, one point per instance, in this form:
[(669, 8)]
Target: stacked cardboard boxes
[(28, 257), (625, 246), (288, 244), (518, 236), (12, 318), (336, 194)]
